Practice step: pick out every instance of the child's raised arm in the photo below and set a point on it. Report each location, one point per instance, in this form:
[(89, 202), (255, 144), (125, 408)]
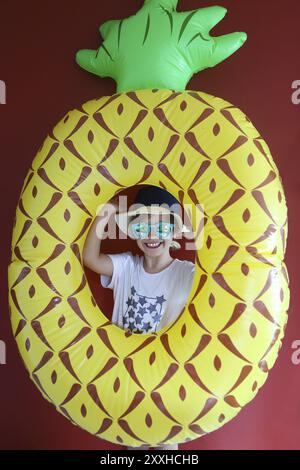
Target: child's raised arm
[(98, 262)]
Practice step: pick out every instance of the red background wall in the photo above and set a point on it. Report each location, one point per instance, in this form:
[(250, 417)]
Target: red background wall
[(38, 42)]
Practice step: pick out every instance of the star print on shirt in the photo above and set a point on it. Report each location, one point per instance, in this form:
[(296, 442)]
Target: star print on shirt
[(129, 301), (152, 308), (156, 317), (142, 300), (131, 313), (138, 319), (160, 300), (146, 326), (143, 313)]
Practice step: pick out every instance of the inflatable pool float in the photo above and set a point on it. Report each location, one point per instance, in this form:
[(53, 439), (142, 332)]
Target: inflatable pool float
[(197, 373)]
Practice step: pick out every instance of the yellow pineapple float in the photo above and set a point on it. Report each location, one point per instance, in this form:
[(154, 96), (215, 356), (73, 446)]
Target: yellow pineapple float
[(197, 373)]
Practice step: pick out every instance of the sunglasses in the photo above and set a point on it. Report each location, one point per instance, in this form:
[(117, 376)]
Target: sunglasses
[(161, 229)]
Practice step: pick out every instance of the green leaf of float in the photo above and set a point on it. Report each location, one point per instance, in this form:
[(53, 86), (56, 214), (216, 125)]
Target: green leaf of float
[(159, 47)]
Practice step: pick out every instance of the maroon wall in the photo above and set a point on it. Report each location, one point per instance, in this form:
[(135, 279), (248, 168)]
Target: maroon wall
[(38, 41)]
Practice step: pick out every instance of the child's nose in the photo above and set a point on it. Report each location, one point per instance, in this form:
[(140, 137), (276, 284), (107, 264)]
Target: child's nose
[(152, 234)]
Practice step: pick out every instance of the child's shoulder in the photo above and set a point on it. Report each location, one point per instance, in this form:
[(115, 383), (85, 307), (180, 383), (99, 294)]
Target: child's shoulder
[(186, 262), (134, 259), (124, 256), (185, 265)]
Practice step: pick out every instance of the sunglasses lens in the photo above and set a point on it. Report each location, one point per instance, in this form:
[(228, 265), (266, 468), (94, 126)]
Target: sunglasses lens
[(140, 230), (164, 229)]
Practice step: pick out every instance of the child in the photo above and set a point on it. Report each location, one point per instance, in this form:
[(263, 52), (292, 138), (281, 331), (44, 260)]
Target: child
[(150, 290)]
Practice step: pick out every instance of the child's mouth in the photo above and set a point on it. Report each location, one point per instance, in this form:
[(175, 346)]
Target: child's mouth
[(153, 245)]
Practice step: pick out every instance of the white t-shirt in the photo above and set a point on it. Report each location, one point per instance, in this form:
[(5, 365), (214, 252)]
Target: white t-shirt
[(146, 302)]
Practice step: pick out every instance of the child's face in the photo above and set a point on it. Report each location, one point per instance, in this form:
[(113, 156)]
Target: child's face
[(153, 245)]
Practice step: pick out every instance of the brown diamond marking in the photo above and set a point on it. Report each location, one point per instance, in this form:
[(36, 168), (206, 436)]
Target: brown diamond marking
[(202, 169), (59, 248), (72, 149), (211, 300), (20, 327), (232, 401), (241, 140), (106, 423), (182, 393), (253, 330), (191, 370), (106, 174), (171, 371), (116, 385), (209, 404), (83, 411), (237, 312), (220, 280), (171, 144), (100, 120), (157, 399), (164, 169), (120, 109), (126, 428), (137, 399), (258, 196), (243, 375), (90, 352), (82, 333), (195, 317), (230, 252), (54, 377), (183, 105), (129, 365), (36, 326), (182, 159), (152, 358), (217, 363), (192, 140), (65, 359), (250, 159), (216, 129), (225, 167), (204, 341), (204, 115), (108, 366), (212, 186), (246, 215), (148, 420), (228, 344), (61, 321)]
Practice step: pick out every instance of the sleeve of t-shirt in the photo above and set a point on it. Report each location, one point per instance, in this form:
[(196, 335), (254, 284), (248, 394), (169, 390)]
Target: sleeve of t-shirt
[(190, 272), (119, 262)]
